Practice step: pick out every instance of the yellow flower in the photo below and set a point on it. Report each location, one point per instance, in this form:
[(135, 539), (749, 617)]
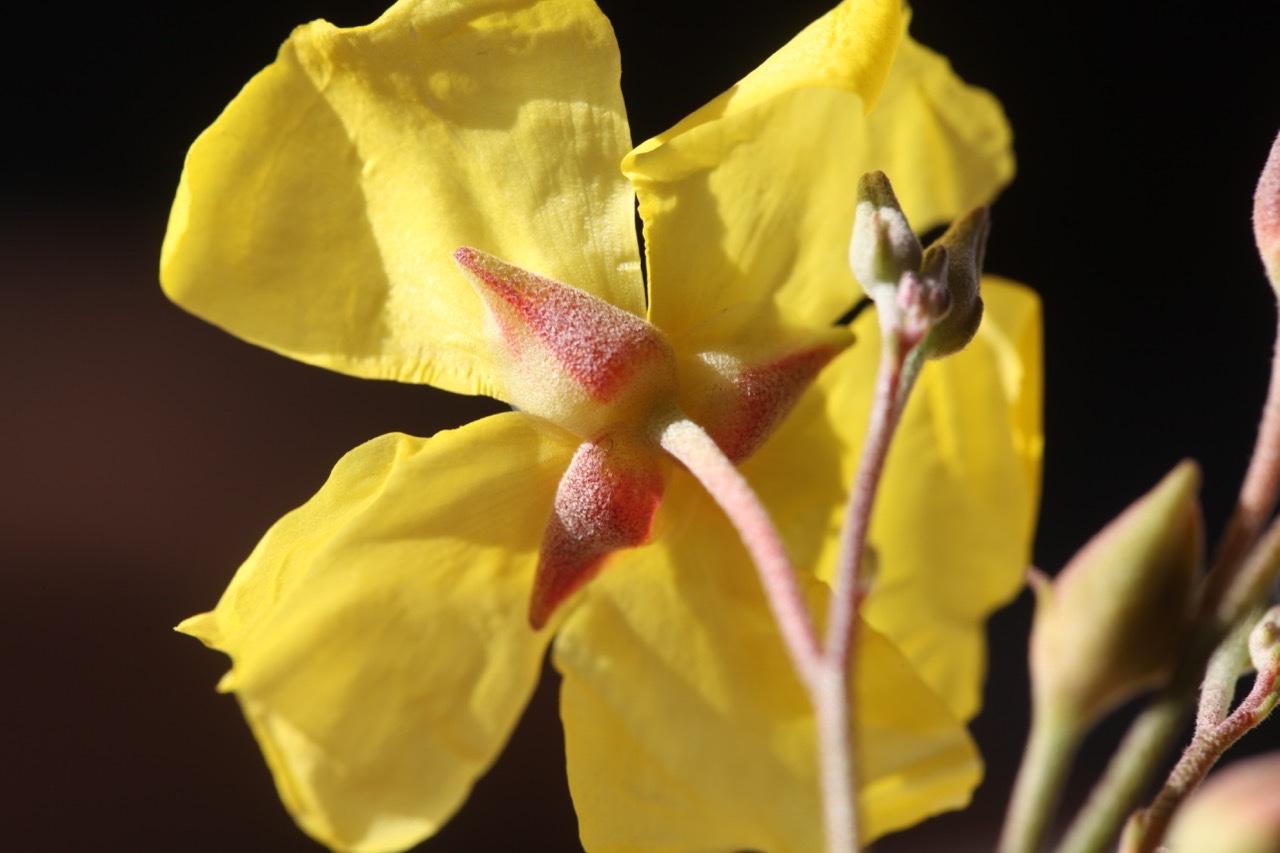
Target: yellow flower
[(379, 635)]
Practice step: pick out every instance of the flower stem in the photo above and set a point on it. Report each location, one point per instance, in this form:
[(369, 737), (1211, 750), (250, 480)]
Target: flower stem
[(1250, 584), (1257, 496), (1045, 763), (693, 448), (899, 367), (893, 385), (1205, 750), (831, 705), (825, 679), (1228, 662), (1116, 793)]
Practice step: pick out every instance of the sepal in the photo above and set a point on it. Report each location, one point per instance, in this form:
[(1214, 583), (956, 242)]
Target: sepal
[(605, 501), (566, 355), (747, 370)]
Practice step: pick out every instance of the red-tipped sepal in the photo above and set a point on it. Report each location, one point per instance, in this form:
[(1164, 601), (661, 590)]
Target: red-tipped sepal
[(750, 373), (566, 355), (605, 502)]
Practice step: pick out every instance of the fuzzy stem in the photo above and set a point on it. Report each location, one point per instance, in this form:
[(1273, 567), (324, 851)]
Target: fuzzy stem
[(1249, 585), (1205, 750), (1257, 495), (893, 385), (1045, 763), (833, 717), (825, 679), (1228, 662), (833, 699), (1134, 762), (698, 452)]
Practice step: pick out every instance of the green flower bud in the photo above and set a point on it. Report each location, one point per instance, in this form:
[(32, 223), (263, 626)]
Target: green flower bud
[(883, 246), (1114, 621), (1266, 215), (1264, 641), (1237, 810), (962, 248)]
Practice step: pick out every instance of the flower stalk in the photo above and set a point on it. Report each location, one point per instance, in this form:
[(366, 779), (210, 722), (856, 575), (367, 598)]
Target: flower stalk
[(823, 675), (893, 385), (1147, 828), (689, 444), (832, 703), (1254, 505), (826, 670), (1045, 763)]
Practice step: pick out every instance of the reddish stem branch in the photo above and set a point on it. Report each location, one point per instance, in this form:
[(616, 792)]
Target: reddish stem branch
[(825, 683), (1205, 750), (892, 387), (696, 450)]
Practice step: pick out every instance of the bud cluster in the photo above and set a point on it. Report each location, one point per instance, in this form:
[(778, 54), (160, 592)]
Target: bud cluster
[(931, 296)]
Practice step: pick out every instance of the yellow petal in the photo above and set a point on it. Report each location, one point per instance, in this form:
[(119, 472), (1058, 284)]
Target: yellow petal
[(378, 637), (686, 729), (752, 197), (319, 214), (946, 145), (953, 520)]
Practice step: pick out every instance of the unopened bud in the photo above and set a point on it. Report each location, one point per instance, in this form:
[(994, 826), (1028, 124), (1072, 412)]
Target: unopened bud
[(883, 246), (961, 249), (1266, 215), (1264, 641), (1113, 622), (1237, 810), (923, 301)]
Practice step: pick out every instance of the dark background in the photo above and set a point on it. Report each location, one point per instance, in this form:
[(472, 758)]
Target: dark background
[(142, 453)]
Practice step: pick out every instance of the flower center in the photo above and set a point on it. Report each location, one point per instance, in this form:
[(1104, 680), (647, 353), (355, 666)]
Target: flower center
[(615, 381)]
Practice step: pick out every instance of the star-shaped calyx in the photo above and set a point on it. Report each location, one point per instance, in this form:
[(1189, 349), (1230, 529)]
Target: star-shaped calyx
[(616, 382)]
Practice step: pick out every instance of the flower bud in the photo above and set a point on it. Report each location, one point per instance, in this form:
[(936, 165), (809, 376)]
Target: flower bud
[(1264, 641), (1266, 215), (883, 246), (1113, 622), (1237, 810), (962, 246)]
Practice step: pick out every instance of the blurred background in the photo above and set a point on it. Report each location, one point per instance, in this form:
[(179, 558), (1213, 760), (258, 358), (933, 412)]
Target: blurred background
[(142, 452)]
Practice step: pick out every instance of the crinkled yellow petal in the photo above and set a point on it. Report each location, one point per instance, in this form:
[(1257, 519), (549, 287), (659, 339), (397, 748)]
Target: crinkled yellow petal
[(947, 146), (686, 729), (378, 637), (752, 197), (952, 524), (319, 214)]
